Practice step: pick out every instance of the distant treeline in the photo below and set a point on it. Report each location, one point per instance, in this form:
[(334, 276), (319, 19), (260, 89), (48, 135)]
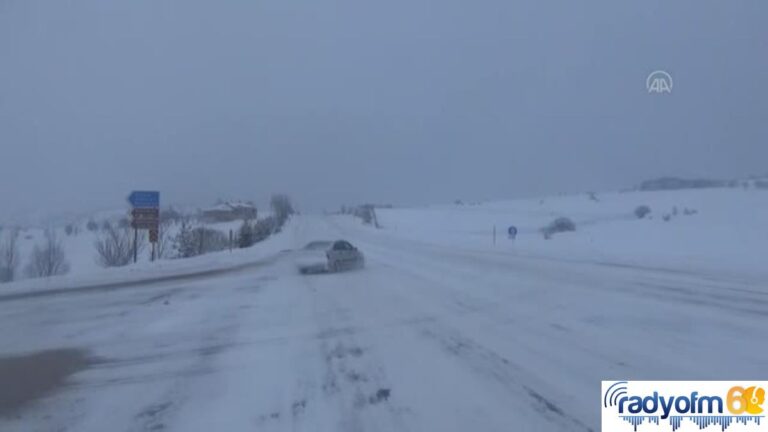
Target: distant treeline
[(677, 183)]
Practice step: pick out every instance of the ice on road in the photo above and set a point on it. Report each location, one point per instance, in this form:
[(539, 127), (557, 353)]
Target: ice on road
[(425, 338)]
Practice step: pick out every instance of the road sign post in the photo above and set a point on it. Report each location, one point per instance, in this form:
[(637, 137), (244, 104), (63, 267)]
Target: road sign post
[(135, 245), (145, 215), (153, 236), (512, 232), (145, 218), (144, 199)]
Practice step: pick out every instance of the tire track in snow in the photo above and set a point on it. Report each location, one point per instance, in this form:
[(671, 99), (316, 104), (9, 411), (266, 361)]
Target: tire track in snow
[(356, 383), (158, 414), (520, 383), (501, 371)]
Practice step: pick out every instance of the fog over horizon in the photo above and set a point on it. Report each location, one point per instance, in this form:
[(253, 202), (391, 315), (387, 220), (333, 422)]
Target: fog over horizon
[(402, 102)]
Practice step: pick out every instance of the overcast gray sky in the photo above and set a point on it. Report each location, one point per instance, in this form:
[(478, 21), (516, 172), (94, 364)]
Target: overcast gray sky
[(343, 101)]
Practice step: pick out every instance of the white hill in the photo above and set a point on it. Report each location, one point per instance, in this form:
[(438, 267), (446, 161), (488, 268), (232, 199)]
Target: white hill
[(727, 232)]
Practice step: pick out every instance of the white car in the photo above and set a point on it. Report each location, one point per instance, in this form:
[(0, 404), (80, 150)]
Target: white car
[(329, 256)]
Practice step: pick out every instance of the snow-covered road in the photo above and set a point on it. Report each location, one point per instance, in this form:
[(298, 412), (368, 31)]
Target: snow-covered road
[(426, 338)]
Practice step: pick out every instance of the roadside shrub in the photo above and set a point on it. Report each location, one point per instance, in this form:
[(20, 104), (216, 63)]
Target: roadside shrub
[(282, 208), (245, 236), (193, 241), (47, 259), (264, 228), (561, 224), (367, 212), (164, 245), (183, 242), (211, 240), (642, 211), (9, 256), (252, 233), (114, 247), (91, 225)]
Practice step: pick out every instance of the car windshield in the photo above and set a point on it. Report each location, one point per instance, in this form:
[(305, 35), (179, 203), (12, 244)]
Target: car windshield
[(318, 245), (392, 215)]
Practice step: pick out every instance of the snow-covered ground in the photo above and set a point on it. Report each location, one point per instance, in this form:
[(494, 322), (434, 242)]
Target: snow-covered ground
[(441, 331), (82, 257), (727, 234)]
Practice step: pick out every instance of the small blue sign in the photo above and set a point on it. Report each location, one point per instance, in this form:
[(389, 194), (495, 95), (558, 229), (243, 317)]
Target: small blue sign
[(144, 199), (512, 232)]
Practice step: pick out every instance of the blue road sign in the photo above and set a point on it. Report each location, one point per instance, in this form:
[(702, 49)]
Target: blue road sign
[(144, 199), (512, 232)]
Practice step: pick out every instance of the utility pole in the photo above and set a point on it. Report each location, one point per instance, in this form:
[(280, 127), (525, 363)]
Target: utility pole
[(135, 245)]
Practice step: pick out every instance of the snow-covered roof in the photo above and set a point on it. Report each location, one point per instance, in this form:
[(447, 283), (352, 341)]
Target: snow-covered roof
[(231, 205)]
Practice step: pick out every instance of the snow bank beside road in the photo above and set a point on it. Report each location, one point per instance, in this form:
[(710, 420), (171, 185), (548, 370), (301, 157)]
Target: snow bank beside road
[(160, 269)]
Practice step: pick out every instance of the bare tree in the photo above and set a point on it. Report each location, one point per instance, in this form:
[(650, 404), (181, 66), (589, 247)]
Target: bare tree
[(164, 245), (48, 259), (192, 240), (245, 236), (211, 240), (642, 211), (282, 208), (9, 256), (264, 228), (184, 242), (91, 225), (559, 225), (114, 247)]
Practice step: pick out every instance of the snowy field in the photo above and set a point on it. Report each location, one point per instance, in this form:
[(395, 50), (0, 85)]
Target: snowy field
[(84, 267), (727, 234), (442, 331)]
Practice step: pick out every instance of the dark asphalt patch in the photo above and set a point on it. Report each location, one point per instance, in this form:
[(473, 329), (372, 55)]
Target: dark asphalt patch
[(27, 378)]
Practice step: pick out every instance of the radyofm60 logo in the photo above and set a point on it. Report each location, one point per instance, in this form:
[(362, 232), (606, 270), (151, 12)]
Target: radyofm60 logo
[(684, 406)]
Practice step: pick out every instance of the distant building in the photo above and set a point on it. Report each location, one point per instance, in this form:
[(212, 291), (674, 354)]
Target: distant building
[(229, 211), (674, 183)]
